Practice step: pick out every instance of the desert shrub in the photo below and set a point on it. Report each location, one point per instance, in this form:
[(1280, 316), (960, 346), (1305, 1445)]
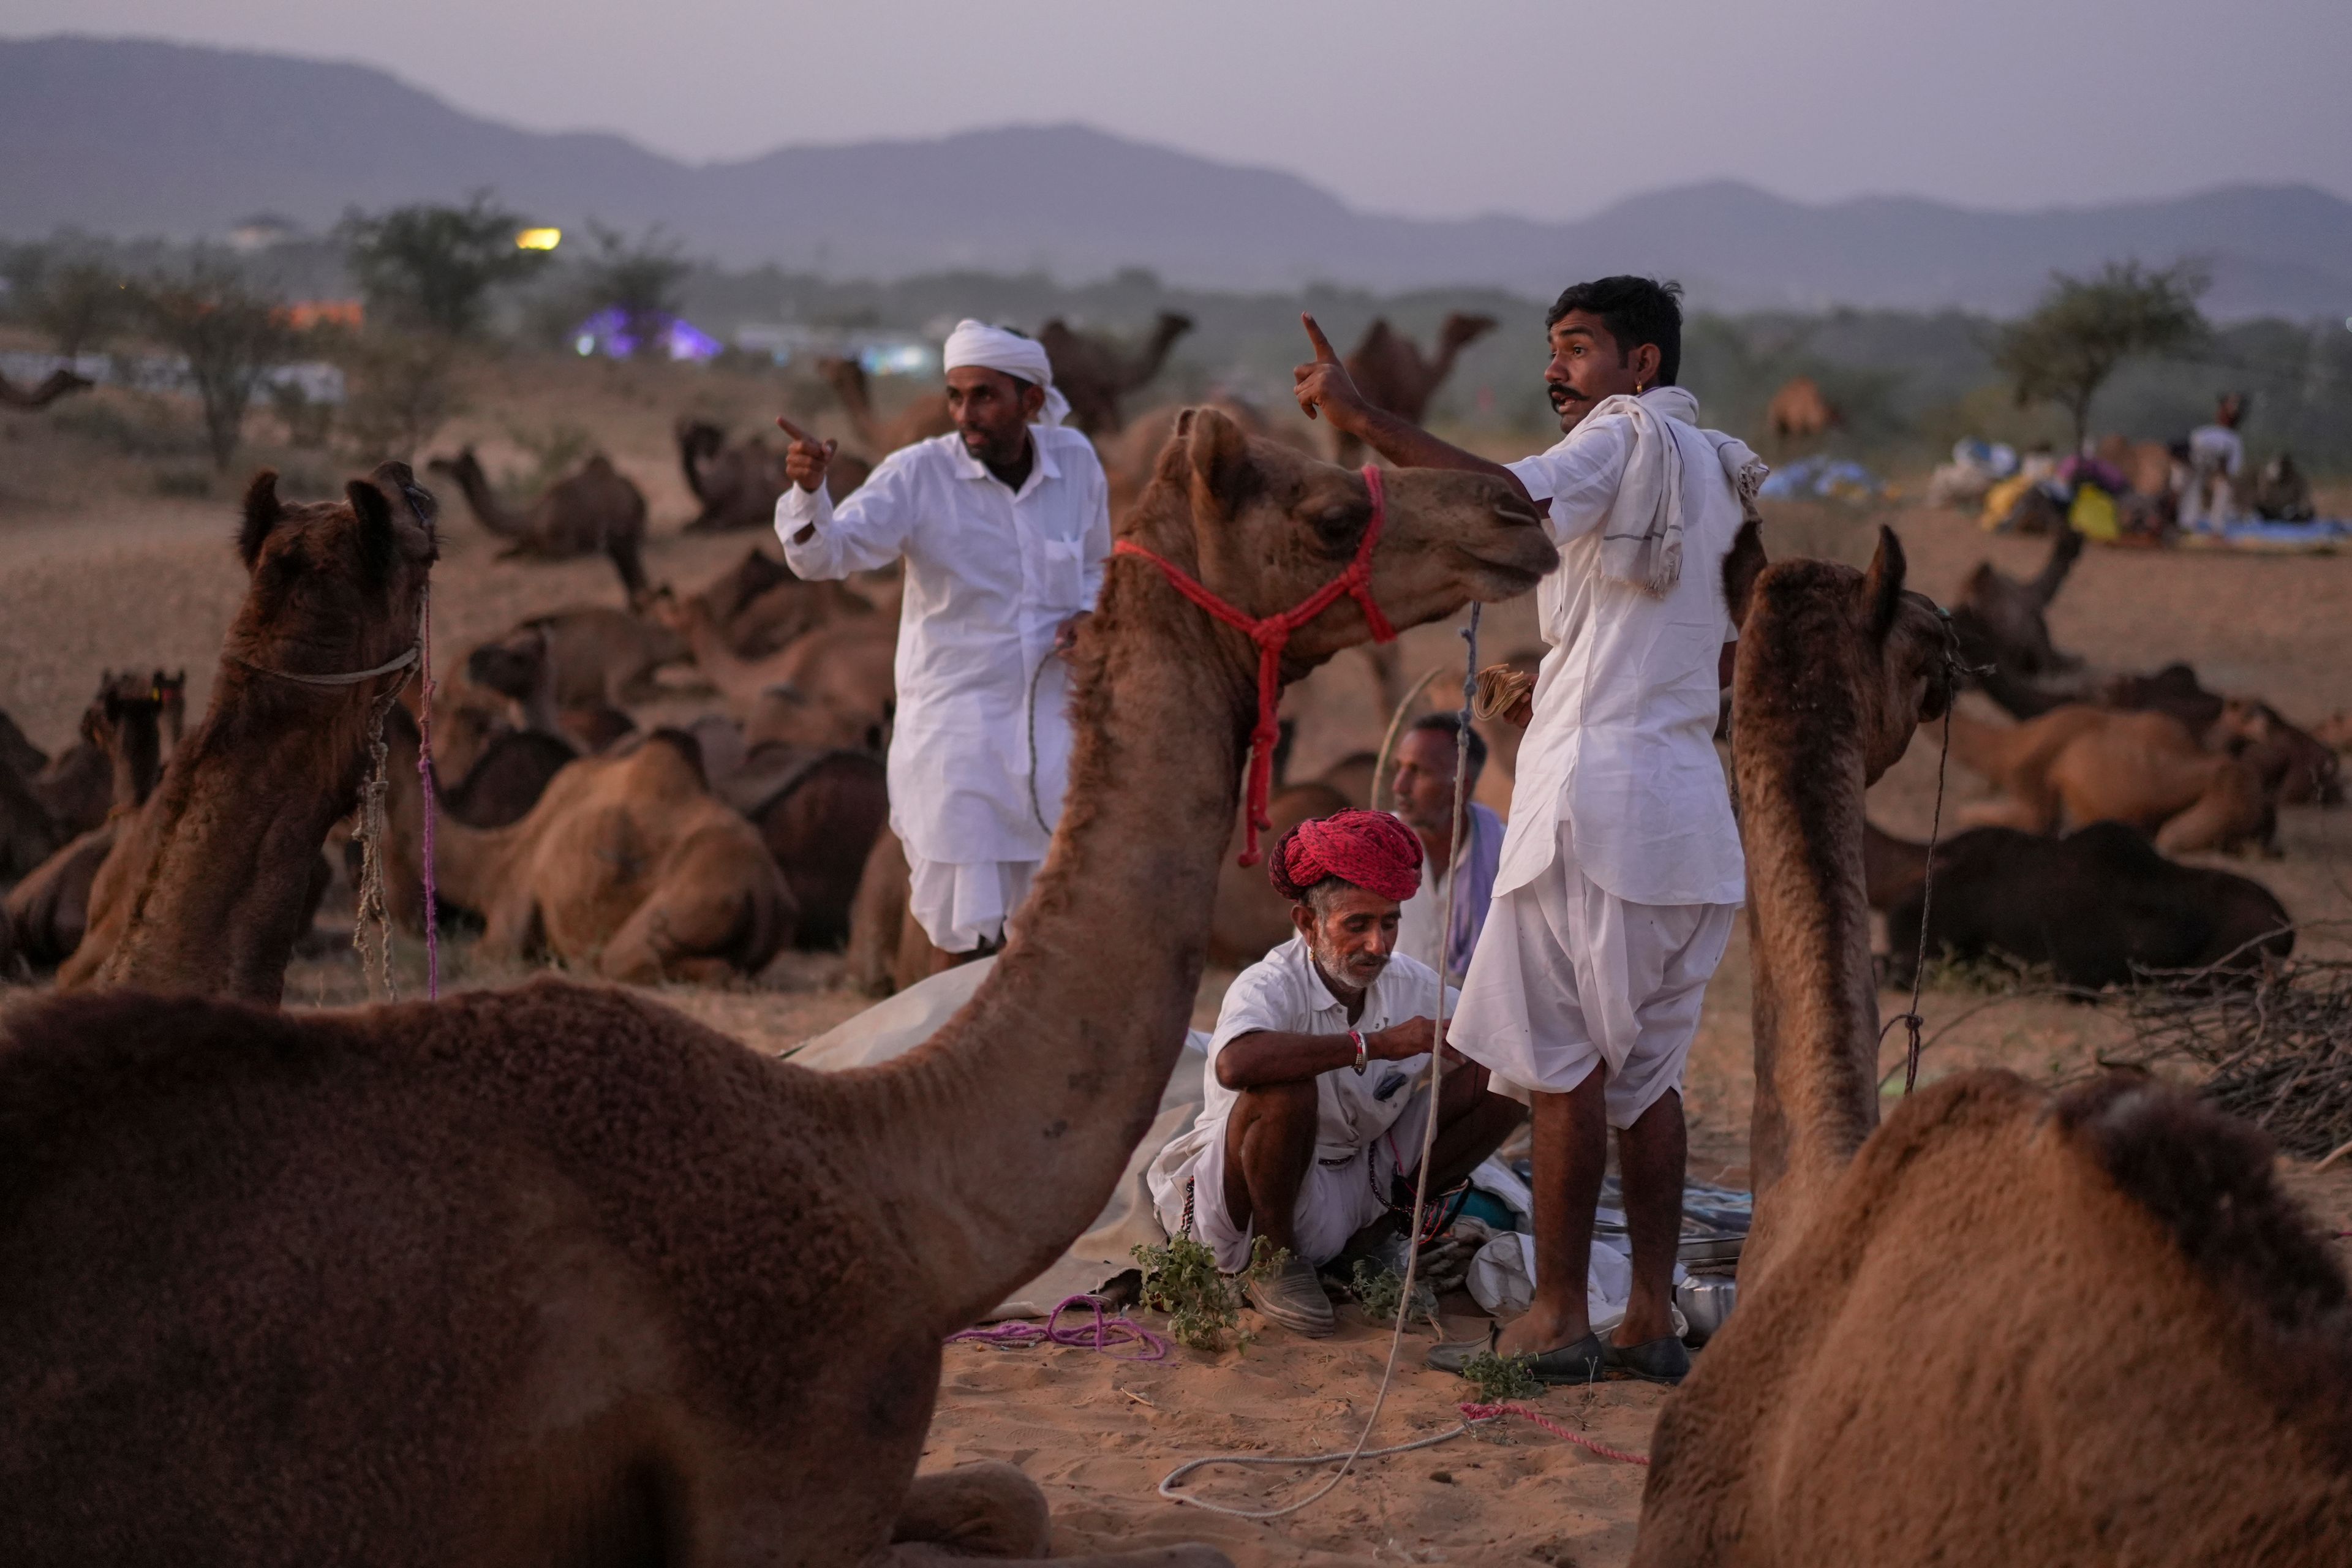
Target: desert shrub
[(1204, 1305), (1500, 1377), (229, 335), (401, 387)]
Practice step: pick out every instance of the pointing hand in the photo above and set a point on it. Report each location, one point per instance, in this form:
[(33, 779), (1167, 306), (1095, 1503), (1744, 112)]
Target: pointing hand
[(806, 459), (1323, 383)]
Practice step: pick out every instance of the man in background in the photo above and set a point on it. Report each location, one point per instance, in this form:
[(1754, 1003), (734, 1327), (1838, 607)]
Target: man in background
[(1422, 794)]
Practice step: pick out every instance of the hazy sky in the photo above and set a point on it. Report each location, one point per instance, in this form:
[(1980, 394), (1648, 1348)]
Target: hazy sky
[(1437, 108)]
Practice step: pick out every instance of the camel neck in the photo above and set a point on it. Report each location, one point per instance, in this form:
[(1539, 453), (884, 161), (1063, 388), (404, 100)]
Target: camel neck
[(1007, 1131), (487, 509), (1798, 751), (136, 749), (237, 827)]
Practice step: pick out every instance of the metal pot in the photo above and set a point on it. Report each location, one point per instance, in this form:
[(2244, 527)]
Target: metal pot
[(1705, 1300)]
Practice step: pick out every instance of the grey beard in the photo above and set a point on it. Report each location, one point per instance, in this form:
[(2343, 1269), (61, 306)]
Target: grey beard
[(1335, 968)]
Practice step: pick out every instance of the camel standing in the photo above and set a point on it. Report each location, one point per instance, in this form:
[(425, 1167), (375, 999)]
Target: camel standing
[(1390, 369), (556, 1275), (49, 910), (210, 885), (597, 511), (1799, 411), (2005, 1327), (1097, 373), (55, 384), (920, 420)]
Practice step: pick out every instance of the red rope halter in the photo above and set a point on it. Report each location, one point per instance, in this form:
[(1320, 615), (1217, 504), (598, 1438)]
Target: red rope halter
[(1273, 634)]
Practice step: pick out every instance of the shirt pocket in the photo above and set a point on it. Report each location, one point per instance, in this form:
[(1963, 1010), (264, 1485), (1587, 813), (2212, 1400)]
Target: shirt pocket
[(1064, 575)]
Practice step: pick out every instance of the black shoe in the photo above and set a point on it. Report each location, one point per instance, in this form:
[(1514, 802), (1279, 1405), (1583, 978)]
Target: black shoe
[(1663, 1359)]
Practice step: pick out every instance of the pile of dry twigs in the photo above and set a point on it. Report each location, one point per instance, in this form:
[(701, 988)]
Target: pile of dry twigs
[(2275, 1049)]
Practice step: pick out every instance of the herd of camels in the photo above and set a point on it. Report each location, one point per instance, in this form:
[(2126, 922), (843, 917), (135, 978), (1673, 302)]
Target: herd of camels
[(554, 1274)]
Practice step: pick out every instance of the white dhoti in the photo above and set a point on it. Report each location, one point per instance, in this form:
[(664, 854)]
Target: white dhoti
[(1341, 1194), (1567, 975), (963, 905)]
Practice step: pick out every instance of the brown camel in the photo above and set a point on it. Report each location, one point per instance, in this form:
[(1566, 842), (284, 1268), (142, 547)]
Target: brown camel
[(920, 420), (602, 655), (1132, 458), (594, 511), (738, 485), (1798, 411), (208, 889), (626, 867), (819, 813), (557, 1275), (49, 910), (55, 384), (2295, 764), (2079, 764), (519, 670), (761, 607), (834, 688), (2005, 1327), (1390, 371), (1095, 373), (29, 834)]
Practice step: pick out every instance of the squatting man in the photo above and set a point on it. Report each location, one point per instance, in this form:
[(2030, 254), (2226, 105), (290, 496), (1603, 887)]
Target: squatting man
[(1315, 1098), (1004, 525), (1621, 870)]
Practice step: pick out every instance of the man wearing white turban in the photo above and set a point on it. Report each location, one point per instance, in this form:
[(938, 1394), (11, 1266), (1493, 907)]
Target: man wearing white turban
[(1004, 525)]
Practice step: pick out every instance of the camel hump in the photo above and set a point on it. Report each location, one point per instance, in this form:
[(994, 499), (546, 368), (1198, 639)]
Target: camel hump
[(688, 749), (2209, 1181)]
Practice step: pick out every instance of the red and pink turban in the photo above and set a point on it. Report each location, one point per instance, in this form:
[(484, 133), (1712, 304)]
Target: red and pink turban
[(1370, 850)]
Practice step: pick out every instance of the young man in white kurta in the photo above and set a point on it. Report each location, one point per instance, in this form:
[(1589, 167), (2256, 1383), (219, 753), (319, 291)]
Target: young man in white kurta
[(980, 746), (1621, 870)]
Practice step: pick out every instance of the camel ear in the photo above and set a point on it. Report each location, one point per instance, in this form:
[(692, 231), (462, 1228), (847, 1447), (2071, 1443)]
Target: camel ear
[(262, 510), (379, 546), (1220, 455), (1740, 569), (1881, 588)]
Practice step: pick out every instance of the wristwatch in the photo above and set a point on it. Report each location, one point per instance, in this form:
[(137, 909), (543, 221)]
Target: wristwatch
[(1363, 1054)]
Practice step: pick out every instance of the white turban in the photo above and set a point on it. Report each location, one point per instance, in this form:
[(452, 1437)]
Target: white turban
[(993, 348)]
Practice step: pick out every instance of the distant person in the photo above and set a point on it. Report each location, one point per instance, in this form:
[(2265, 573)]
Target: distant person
[(2217, 457), (1315, 1098), (1621, 870), (1422, 792), (1004, 524)]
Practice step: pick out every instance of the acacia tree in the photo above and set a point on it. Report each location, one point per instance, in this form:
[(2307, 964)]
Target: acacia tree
[(639, 279), (2083, 328), (434, 267), (229, 335)]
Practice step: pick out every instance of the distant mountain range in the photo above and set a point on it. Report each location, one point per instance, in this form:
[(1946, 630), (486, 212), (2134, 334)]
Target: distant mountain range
[(136, 138)]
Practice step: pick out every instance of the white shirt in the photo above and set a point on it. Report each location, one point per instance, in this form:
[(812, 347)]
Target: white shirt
[(990, 577), (1421, 932), (1285, 993), (1622, 746), (2217, 449)]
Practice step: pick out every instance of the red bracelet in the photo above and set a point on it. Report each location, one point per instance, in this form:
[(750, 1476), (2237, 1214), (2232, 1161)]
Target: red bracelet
[(1357, 1037)]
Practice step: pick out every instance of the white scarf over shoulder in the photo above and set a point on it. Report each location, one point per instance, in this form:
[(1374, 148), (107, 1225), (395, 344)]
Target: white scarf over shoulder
[(1641, 537)]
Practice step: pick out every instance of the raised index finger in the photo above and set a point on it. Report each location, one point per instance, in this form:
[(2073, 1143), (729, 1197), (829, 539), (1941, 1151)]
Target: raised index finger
[(795, 432), (1323, 348)]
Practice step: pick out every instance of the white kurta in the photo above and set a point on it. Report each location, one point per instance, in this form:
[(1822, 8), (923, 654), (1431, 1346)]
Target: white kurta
[(1626, 700), (990, 577), (1368, 1128)]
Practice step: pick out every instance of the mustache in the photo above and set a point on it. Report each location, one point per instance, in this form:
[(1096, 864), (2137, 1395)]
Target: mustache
[(1562, 394)]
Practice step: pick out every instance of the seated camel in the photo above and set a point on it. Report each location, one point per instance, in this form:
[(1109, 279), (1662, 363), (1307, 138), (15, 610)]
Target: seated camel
[(2099, 907), (594, 511), (761, 606), (519, 670), (2080, 764), (738, 485), (556, 1274), (819, 812), (834, 687), (2295, 765), (1958, 1333), (49, 910), (925, 416), (2004, 629), (628, 867)]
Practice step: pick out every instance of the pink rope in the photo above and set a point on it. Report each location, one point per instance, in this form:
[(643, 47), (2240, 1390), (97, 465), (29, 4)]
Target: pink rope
[(1106, 1333), (432, 809), (1475, 1412)]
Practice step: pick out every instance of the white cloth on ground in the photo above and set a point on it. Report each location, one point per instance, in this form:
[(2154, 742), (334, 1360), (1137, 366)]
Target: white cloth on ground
[(1626, 699), (990, 577), (1569, 975), (997, 348), (1284, 993), (961, 905)]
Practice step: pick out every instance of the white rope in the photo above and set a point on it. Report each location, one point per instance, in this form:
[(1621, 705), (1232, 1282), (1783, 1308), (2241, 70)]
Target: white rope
[(1420, 1189)]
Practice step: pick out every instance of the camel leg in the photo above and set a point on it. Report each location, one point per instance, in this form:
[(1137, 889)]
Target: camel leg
[(672, 935), (987, 1510)]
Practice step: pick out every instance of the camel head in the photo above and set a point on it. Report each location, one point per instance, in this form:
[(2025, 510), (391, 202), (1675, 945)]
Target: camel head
[(1459, 330), (1890, 645), (845, 376), (336, 585), (1264, 525), (123, 700)]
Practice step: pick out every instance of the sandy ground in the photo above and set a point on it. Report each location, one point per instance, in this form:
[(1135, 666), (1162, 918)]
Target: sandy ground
[(97, 568)]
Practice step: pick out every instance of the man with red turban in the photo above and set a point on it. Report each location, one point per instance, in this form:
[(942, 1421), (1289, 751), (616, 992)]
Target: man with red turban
[(1314, 1098)]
